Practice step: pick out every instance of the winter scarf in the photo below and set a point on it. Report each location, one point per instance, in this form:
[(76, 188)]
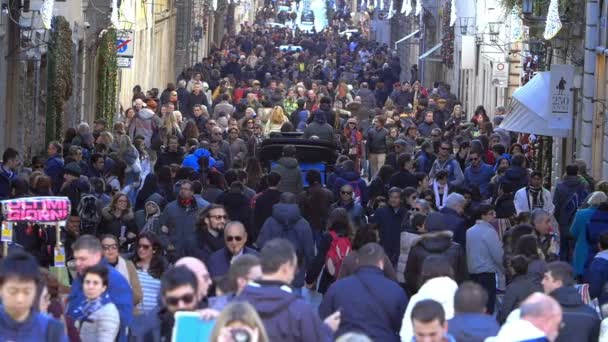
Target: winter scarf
[(440, 200), (87, 308)]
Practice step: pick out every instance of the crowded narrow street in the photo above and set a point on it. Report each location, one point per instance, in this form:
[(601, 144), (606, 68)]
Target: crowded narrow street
[(310, 170)]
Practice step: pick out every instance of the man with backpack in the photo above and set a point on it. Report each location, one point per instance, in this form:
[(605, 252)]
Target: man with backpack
[(380, 302), (570, 193), (287, 223)]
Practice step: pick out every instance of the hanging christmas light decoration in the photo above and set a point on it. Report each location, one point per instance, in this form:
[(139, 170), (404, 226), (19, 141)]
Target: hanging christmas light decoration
[(390, 10), (418, 7), (453, 15), (46, 13), (114, 16), (553, 23), (517, 25), (407, 7)]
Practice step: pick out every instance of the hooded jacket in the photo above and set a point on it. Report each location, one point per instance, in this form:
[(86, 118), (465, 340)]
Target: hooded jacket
[(597, 277), (291, 176), (440, 289), (320, 127), (434, 243), (479, 177), (146, 124), (286, 317), (286, 222), (581, 321), (472, 327), (563, 192), (379, 307)]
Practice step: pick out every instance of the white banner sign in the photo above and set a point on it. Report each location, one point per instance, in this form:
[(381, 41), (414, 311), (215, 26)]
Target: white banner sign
[(562, 96)]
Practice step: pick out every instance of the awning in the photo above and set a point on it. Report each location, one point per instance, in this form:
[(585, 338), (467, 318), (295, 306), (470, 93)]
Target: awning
[(531, 109), (406, 38), (430, 52)]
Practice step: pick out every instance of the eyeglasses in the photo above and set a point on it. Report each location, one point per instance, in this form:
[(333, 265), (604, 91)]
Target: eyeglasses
[(144, 247), (186, 299), (112, 247), (346, 192), (235, 238), (219, 217)]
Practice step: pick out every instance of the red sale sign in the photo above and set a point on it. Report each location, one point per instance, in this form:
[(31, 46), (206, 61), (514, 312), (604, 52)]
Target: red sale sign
[(36, 209)]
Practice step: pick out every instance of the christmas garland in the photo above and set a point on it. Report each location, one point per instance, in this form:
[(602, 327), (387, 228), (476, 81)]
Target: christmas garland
[(107, 74), (447, 37), (59, 76)]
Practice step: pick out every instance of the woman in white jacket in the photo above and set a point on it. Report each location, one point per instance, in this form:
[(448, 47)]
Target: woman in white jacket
[(438, 284), (97, 317)]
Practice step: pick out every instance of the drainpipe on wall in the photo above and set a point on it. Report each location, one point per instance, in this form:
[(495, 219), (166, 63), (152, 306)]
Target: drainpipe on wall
[(591, 41)]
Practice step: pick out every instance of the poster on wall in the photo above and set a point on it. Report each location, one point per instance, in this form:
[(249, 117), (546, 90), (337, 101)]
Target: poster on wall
[(36, 209), (562, 96)]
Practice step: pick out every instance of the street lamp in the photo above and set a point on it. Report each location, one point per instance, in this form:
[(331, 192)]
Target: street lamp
[(464, 24), (527, 7), (494, 28)]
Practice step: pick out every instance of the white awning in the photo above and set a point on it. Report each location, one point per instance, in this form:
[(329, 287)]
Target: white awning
[(406, 38), (531, 109), (430, 51)]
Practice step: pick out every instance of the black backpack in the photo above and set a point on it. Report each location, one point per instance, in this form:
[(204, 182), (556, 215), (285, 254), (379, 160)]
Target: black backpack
[(89, 214)]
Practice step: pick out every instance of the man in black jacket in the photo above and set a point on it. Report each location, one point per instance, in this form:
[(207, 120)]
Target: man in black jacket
[(404, 178), (581, 321)]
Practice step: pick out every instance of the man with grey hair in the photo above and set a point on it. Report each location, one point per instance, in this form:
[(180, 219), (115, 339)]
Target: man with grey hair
[(182, 97), (453, 216), (548, 239), (540, 320)]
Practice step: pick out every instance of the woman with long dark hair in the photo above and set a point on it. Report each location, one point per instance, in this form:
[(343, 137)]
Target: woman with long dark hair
[(150, 264), (117, 219), (338, 235)]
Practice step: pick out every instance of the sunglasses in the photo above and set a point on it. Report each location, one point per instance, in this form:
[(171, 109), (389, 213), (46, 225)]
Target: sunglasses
[(444, 148), (144, 247), (235, 238), (186, 299), (346, 192), (110, 247)]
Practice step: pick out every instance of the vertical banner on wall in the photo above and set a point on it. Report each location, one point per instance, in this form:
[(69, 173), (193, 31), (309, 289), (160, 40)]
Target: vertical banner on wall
[(562, 96)]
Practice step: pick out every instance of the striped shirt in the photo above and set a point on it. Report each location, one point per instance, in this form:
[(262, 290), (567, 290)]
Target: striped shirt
[(150, 288)]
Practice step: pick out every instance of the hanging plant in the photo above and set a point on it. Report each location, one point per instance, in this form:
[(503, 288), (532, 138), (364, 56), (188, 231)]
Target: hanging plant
[(447, 37), (59, 77), (107, 75)]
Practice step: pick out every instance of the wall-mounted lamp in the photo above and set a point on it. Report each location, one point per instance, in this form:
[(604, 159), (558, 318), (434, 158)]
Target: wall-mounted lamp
[(494, 28), (465, 22)]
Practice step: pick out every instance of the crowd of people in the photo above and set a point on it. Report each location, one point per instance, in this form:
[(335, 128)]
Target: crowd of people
[(430, 225)]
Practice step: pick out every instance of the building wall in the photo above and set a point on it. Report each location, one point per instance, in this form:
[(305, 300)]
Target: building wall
[(153, 64)]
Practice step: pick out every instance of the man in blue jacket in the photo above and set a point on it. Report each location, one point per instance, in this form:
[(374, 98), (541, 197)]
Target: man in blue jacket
[(54, 165), (286, 317), (380, 303), (88, 252), (479, 174), (10, 161), (470, 322)]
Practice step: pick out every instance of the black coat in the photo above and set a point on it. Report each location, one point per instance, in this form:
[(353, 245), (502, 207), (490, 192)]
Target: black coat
[(402, 179), (581, 321), (219, 261), (434, 243), (519, 289), (110, 224)]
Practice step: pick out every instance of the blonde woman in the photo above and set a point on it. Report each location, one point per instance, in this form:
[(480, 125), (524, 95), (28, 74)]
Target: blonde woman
[(276, 120), (118, 219), (239, 319), (171, 127)]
